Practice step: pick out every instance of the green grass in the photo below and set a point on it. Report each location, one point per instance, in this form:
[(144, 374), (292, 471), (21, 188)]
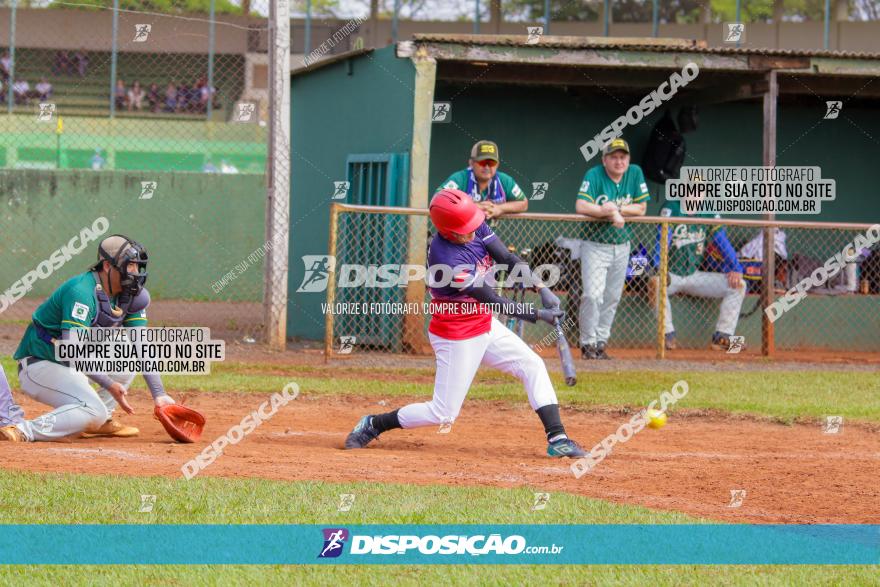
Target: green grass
[(40, 498), (784, 396), (71, 499)]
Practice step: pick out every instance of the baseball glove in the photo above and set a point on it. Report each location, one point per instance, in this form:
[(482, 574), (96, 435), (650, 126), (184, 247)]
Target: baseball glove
[(181, 423)]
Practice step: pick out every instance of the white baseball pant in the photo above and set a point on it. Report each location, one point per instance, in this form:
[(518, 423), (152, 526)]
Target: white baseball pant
[(457, 364), (77, 405), (10, 412), (704, 284), (603, 271)]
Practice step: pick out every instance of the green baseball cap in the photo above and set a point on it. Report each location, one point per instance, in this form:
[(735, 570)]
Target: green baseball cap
[(483, 150), (616, 145)]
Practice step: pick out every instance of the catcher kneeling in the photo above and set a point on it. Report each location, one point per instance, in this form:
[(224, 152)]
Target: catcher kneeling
[(110, 294)]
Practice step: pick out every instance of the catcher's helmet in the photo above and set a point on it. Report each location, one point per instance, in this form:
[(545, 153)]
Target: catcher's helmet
[(120, 251), (453, 211)]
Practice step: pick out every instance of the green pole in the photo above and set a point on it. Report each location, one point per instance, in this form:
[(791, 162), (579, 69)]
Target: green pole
[(113, 58), (211, 32), (394, 23), (546, 17), (738, 15), (655, 18), (827, 23), (9, 95), (308, 47), (476, 16), (606, 16)]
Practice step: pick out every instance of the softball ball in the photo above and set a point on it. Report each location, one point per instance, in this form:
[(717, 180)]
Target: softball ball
[(656, 419)]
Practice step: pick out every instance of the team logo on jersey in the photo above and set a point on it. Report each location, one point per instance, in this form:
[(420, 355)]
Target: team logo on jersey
[(80, 311), (682, 236), (334, 541), (585, 186), (317, 273)]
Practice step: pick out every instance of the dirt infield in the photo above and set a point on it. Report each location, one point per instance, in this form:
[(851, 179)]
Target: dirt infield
[(791, 474)]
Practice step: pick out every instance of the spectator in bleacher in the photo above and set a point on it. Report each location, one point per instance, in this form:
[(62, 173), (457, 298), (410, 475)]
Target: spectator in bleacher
[(183, 97), (98, 161), (5, 64), (206, 94), (62, 64), (136, 97), (81, 60), (43, 90), (120, 94), (171, 97), (21, 89), (153, 98)]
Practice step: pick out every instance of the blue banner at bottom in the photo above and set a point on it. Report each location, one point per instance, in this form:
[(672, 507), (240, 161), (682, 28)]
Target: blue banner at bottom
[(713, 544)]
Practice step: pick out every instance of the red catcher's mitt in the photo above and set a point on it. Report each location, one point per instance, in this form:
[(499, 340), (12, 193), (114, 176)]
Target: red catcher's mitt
[(182, 424)]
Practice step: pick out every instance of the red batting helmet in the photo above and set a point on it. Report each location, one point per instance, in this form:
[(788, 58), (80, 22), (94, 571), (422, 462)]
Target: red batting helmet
[(453, 211)]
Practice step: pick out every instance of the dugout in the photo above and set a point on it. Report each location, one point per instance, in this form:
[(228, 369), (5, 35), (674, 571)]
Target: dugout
[(366, 117)]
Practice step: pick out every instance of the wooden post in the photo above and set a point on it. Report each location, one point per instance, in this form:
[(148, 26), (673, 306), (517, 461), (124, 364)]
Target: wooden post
[(331, 282), (663, 276), (419, 193), (768, 270)]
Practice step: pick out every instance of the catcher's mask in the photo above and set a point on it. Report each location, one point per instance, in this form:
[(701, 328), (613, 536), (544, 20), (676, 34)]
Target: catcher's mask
[(121, 251)]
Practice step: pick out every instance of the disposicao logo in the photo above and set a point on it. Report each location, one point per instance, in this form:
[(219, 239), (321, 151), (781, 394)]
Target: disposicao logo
[(334, 541)]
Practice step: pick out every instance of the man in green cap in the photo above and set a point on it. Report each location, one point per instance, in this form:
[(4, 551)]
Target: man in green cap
[(495, 192), (609, 194)]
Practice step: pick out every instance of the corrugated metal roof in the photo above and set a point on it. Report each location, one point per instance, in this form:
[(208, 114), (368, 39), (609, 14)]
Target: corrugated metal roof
[(631, 44)]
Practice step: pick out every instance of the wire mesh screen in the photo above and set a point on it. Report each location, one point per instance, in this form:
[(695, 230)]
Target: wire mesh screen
[(378, 298), (155, 117)]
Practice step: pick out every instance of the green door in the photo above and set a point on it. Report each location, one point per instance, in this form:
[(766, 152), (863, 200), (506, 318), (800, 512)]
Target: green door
[(376, 239)]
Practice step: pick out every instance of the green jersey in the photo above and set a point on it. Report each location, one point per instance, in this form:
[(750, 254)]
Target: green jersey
[(73, 305), (598, 188), (506, 191), (687, 242)]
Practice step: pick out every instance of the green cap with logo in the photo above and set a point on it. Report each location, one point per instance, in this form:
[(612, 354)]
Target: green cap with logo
[(485, 150), (616, 145)]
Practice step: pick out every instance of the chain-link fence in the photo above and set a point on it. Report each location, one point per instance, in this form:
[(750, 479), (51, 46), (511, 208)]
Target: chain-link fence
[(156, 117), (714, 292)]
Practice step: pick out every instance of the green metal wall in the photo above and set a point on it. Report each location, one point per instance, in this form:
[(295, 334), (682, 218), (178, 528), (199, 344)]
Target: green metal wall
[(196, 227), (540, 131), (361, 105)]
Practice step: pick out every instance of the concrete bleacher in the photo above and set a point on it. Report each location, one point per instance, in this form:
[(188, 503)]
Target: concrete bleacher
[(90, 96)]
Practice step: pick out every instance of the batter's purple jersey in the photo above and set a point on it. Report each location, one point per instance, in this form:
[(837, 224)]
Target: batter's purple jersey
[(467, 262)]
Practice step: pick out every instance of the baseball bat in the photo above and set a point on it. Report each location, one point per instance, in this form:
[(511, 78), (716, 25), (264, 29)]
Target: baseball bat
[(565, 356)]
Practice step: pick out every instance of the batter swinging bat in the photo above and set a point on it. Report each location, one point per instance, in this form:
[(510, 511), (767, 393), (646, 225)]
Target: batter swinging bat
[(565, 355)]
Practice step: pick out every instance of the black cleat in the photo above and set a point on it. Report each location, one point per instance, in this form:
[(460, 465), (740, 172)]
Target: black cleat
[(588, 351), (600, 351), (362, 435)]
